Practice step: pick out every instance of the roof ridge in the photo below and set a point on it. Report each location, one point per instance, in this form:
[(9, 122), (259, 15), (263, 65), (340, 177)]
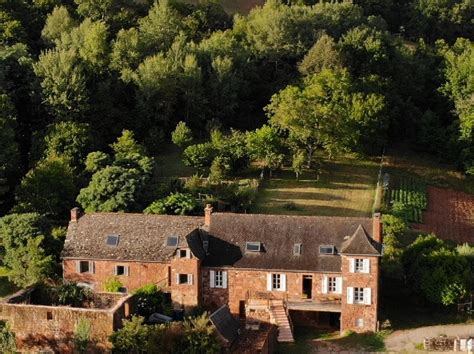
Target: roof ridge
[(297, 216)]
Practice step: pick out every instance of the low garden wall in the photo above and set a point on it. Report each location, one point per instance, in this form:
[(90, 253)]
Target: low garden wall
[(51, 328)]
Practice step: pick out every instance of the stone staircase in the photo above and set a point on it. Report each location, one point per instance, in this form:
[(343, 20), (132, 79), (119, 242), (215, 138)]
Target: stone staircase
[(279, 316)]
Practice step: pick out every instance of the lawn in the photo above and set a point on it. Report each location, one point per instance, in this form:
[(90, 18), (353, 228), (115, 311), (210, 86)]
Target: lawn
[(403, 162), (308, 340), (346, 187)]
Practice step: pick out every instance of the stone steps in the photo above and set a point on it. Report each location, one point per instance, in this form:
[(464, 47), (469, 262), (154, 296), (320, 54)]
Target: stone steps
[(284, 329)]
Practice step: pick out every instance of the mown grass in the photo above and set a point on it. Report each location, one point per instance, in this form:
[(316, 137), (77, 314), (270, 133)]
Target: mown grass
[(346, 187), (406, 163)]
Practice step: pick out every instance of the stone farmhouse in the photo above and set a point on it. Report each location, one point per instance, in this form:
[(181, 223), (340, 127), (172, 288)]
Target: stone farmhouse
[(275, 268)]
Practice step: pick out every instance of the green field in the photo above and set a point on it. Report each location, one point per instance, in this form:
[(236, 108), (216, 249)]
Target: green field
[(346, 187)]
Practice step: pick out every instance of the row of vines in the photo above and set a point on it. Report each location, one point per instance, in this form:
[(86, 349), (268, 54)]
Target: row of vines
[(407, 195)]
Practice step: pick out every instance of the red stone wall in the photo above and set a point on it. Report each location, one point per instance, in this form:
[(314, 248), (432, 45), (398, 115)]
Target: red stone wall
[(351, 312), (140, 273), (51, 328), (239, 281), (186, 295)]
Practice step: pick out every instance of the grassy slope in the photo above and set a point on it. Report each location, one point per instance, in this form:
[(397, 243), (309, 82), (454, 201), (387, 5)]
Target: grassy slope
[(405, 162), (345, 188)]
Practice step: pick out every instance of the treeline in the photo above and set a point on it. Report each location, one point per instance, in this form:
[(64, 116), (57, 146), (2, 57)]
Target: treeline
[(90, 91)]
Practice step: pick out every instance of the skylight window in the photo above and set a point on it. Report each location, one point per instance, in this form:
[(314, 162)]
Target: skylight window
[(253, 246), (112, 240), (297, 249), (327, 249), (172, 241)]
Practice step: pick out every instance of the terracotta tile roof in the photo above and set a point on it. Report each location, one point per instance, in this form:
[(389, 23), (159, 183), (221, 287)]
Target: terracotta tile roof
[(228, 234), (141, 237), (361, 244)]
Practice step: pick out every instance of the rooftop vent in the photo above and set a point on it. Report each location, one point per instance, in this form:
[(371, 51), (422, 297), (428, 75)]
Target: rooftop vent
[(112, 240), (253, 246), (172, 241), (327, 249), (297, 249)]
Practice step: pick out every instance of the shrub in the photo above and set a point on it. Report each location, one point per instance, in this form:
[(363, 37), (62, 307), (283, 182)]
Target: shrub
[(199, 156), (132, 337), (82, 333), (71, 294), (113, 285), (220, 169), (174, 204), (182, 135), (7, 338), (149, 300)]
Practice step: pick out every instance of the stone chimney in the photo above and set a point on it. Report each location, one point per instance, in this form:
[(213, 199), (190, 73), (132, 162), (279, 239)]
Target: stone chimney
[(207, 215), (75, 214), (377, 227)]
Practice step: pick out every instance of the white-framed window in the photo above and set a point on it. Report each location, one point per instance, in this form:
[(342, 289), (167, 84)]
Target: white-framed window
[(218, 279), (359, 265), (122, 270), (276, 282), (358, 295), (182, 279), (85, 267), (184, 253), (331, 284), (359, 323)]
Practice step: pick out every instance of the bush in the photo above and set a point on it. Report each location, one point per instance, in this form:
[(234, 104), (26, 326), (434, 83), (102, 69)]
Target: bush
[(82, 333), (132, 337), (71, 294), (182, 135), (220, 169), (174, 204), (113, 285), (149, 300), (7, 338), (199, 156)]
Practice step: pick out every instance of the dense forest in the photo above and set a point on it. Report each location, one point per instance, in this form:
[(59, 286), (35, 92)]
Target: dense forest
[(91, 91)]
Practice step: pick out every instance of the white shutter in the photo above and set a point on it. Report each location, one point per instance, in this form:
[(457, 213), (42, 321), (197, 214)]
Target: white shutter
[(177, 278), (127, 270), (339, 285), (212, 278), (350, 295), (351, 265), (269, 281), (115, 270), (190, 279), (367, 296), (92, 267), (78, 266), (324, 284), (366, 265), (282, 282), (224, 280)]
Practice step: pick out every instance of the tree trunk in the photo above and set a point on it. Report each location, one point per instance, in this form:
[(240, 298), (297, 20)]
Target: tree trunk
[(310, 150)]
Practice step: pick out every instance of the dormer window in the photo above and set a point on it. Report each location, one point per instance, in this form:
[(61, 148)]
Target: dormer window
[(327, 249), (253, 246), (297, 249), (172, 241), (184, 253), (112, 240)]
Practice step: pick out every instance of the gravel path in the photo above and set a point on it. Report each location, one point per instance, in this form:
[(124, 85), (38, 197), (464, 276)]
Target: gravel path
[(406, 340)]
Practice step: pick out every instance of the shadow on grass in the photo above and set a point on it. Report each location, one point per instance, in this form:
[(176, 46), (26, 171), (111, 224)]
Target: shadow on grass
[(309, 340)]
